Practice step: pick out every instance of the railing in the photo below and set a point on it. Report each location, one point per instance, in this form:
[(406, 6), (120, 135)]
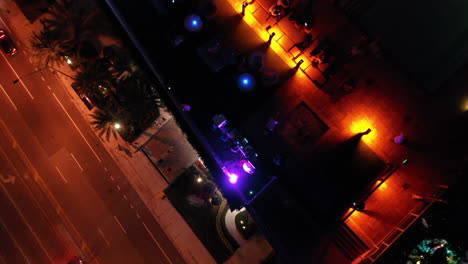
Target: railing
[(388, 171), (399, 229)]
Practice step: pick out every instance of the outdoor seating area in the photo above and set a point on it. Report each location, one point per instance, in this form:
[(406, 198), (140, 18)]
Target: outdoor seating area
[(241, 160), (217, 54), (300, 45), (309, 146)]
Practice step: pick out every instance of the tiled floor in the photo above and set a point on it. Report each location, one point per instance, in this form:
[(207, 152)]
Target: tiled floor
[(382, 100)]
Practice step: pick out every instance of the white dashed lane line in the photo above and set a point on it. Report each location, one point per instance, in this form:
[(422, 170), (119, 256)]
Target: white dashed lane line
[(17, 76), (157, 243), (118, 222), (74, 124), (61, 175), (71, 154), (103, 237), (9, 99)]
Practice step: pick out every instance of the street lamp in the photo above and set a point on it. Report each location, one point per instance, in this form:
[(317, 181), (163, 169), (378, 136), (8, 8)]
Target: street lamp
[(272, 34), (41, 69), (117, 126)]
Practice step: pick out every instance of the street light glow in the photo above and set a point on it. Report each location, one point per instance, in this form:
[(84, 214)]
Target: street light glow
[(117, 126)]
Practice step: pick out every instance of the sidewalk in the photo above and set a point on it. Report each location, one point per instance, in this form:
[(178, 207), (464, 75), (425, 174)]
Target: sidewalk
[(143, 176)]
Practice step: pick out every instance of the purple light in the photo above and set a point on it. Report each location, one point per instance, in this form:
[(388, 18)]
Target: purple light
[(193, 23), (233, 178), (222, 124), (247, 166)]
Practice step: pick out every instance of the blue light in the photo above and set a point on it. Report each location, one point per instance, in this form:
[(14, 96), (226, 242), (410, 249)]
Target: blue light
[(193, 23), (246, 82)]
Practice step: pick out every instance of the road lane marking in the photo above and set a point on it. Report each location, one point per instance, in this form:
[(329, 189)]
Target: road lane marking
[(43, 189), (42, 78), (48, 86), (118, 222), (14, 241), (112, 178), (9, 99), (131, 206), (102, 234), (105, 169), (76, 161), (6, 25), (24, 52), (79, 131), (26, 222), (17, 76), (157, 243), (3, 260), (118, 187), (125, 196), (61, 175), (138, 216), (8, 179)]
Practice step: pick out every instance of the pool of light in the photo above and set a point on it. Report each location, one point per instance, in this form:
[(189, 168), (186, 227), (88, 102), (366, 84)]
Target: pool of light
[(193, 23), (246, 82)]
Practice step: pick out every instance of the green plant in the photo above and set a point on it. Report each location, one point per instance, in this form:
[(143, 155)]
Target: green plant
[(47, 49), (245, 224), (105, 120)]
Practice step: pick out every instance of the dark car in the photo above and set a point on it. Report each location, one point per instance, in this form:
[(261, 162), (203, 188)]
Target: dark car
[(7, 44)]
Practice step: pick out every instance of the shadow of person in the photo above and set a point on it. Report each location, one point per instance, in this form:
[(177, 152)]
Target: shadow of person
[(374, 214)]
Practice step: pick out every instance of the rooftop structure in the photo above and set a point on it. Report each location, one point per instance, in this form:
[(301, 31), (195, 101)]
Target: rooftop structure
[(322, 139)]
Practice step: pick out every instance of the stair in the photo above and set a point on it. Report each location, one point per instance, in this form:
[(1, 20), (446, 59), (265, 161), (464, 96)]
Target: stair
[(349, 243)]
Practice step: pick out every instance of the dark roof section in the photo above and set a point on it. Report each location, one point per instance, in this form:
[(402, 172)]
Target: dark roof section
[(426, 39)]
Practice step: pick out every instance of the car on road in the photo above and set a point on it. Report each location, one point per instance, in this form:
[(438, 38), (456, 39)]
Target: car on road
[(8, 46), (76, 260)]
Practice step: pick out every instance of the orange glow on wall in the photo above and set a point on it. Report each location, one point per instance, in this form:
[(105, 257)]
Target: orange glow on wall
[(383, 186), (361, 126), (264, 34)]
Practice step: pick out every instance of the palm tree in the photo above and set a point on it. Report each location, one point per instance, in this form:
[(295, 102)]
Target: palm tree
[(70, 25), (105, 120), (93, 80), (47, 49), (74, 26), (139, 99)]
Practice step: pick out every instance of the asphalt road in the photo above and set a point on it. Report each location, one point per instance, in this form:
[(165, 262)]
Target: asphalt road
[(61, 193)]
